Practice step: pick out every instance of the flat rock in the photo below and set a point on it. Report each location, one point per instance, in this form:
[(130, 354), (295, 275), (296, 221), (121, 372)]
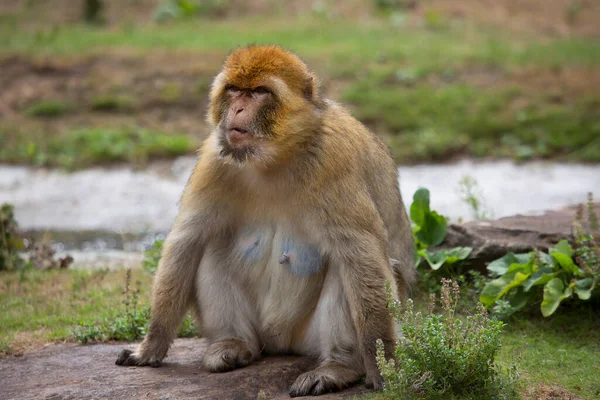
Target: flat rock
[(69, 371), (492, 239)]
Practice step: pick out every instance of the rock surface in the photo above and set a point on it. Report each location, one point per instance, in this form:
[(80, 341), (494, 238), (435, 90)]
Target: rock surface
[(518, 234), (69, 371)]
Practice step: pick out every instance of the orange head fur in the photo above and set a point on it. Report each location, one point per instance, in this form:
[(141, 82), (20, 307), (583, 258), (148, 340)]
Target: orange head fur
[(294, 93)]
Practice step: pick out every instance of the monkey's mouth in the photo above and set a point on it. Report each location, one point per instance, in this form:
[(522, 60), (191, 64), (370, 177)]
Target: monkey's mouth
[(237, 137), (237, 143)]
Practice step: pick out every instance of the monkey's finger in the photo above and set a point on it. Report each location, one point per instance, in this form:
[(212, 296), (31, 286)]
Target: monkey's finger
[(128, 359)]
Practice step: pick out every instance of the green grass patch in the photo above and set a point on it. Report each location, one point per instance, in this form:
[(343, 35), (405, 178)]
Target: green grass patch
[(334, 40), (561, 350), (37, 307), (413, 85), (47, 109), (79, 148), (429, 123), (112, 103), (42, 306)]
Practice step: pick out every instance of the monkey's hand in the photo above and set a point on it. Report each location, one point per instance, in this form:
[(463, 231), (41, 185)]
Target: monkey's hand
[(128, 358)]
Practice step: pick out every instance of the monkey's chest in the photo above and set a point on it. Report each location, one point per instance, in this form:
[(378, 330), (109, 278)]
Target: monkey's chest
[(277, 250)]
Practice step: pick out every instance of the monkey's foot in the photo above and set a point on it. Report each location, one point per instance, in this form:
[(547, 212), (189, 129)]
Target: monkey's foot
[(375, 381), (226, 355), (326, 378), (129, 358)]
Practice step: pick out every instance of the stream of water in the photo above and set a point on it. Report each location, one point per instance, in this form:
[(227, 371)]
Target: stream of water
[(103, 212)]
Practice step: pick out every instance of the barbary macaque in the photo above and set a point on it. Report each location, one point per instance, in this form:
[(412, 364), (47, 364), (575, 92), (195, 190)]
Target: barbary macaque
[(289, 228)]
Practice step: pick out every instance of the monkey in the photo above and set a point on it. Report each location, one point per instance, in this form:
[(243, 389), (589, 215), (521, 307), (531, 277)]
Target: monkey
[(289, 227)]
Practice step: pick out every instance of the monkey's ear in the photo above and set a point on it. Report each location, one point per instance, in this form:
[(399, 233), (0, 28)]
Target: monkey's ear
[(311, 89)]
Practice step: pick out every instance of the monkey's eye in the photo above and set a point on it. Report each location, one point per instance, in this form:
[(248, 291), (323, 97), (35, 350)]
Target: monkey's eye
[(234, 90), (261, 90)]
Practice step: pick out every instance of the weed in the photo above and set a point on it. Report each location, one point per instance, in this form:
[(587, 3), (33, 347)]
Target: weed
[(152, 257), (46, 109), (129, 323), (471, 195), (10, 241), (441, 356)]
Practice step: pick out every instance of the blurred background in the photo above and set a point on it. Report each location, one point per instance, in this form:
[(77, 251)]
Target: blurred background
[(103, 101)]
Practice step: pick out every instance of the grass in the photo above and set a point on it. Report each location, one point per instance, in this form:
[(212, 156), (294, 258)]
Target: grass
[(112, 103), (47, 109), (562, 350), (78, 148), (433, 93), (38, 307)]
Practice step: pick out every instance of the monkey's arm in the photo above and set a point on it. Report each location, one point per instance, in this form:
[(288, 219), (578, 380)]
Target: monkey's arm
[(174, 283), (358, 251)]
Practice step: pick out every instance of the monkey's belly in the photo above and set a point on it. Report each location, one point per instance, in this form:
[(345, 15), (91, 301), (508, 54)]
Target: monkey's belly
[(266, 281)]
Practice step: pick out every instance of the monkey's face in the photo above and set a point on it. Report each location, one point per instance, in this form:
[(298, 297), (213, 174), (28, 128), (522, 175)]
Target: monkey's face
[(246, 119), (262, 104)]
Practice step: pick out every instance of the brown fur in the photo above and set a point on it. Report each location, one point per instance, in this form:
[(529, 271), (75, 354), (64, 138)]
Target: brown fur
[(323, 180)]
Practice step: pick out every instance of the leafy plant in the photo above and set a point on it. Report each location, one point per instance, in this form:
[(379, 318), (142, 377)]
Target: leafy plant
[(443, 355), (10, 241), (429, 230), (558, 274), (152, 256)]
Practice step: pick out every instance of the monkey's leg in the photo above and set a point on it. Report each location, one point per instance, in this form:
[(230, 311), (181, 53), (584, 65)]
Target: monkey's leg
[(173, 287), (365, 269), (332, 333), (226, 315)]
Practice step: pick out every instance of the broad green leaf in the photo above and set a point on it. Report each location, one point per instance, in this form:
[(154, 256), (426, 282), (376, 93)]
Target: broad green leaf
[(433, 230), (418, 257), (435, 259), (501, 286), (584, 288), (554, 293), (501, 265), (458, 254), (539, 277), (563, 247), (545, 258), (566, 263), (492, 290), (420, 206), (520, 299), (526, 268), (516, 282)]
